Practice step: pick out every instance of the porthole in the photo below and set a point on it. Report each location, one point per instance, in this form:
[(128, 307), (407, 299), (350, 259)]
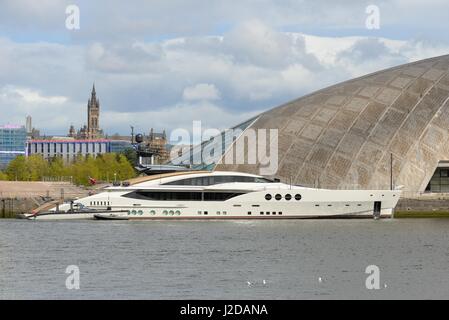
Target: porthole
[(278, 197), (218, 212), (133, 212), (140, 212), (152, 212), (199, 212), (288, 197), (165, 212), (171, 212), (129, 212), (177, 212), (224, 212), (297, 197), (268, 197)]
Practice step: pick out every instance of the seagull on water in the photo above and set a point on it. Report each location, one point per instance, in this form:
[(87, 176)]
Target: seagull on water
[(248, 283), (320, 280), (264, 282)]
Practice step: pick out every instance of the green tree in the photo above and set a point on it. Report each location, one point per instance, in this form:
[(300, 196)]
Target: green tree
[(130, 155), (17, 169), (3, 176), (37, 167), (102, 168), (57, 168), (124, 168), (108, 165)]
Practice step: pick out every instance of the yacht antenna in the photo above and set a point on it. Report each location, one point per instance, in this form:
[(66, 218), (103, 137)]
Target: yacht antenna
[(391, 171)]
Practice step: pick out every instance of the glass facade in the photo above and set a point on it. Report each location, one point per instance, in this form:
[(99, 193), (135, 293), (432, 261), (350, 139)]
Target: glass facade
[(439, 181), (118, 146), (12, 143), (196, 157)]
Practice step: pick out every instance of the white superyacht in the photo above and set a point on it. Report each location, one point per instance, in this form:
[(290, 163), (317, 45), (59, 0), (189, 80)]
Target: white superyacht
[(230, 195)]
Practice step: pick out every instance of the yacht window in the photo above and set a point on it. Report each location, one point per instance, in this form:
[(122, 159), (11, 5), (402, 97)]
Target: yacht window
[(297, 197), (268, 197), (181, 196), (288, 197), (278, 197), (212, 180)]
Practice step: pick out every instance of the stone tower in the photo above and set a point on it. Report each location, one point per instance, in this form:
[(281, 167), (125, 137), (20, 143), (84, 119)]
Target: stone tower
[(93, 116)]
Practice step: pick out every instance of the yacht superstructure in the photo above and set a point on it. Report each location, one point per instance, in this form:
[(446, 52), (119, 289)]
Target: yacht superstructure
[(232, 195)]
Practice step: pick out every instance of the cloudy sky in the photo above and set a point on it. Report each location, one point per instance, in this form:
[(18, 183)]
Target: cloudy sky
[(165, 63)]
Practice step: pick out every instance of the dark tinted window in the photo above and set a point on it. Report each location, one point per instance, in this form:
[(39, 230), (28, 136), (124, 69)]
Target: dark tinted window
[(268, 196), (297, 196), (219, 196), (185, 196), (211, 180), (278, 197), (288, 196)]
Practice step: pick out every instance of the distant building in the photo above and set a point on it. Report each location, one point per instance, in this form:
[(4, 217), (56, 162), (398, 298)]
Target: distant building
[(118, 146), (29, 125), (31, 132), (157, 143), (68, 149), (12, 143), (92, 130)]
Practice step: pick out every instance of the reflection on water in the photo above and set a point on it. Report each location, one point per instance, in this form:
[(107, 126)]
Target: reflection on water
[(324, 259)]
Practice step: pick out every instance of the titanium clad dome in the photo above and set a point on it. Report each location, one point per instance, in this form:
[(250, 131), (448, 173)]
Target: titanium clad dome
[(342, 136)]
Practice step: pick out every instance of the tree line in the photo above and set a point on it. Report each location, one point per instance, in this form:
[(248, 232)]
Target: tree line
[(105, 167)]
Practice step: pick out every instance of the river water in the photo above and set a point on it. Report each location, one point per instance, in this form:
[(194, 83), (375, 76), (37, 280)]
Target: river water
[(286, 259)]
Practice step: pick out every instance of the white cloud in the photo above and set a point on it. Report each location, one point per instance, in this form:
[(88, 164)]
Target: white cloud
[(223, 79), (201, 91), (25, 95), (211, 116)]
